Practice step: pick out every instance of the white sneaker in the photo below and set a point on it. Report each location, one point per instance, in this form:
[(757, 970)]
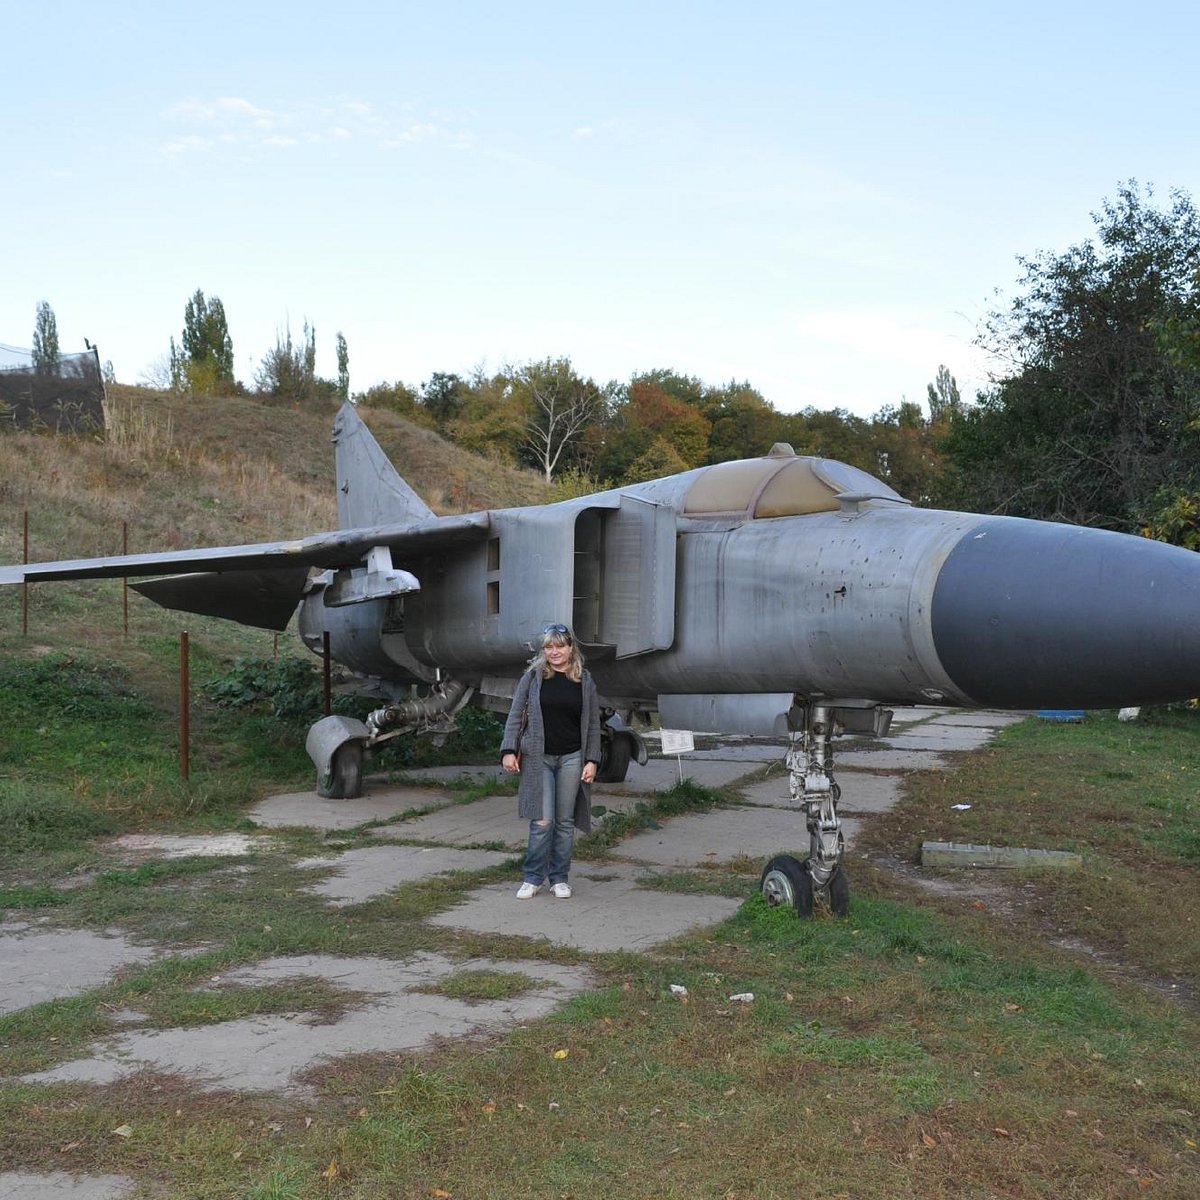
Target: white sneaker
[(528, 890), (562, 891)]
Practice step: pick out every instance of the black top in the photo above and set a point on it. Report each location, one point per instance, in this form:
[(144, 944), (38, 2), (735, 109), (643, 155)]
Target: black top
[(562, 709)]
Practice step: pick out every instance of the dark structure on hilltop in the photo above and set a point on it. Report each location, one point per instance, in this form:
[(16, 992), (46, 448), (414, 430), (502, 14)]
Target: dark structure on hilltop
[(62, 396)]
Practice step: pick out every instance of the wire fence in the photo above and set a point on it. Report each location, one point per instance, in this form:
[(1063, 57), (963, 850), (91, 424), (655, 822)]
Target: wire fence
[(65, 395)]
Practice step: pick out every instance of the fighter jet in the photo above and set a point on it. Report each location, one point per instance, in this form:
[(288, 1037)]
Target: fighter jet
[(787, 595)]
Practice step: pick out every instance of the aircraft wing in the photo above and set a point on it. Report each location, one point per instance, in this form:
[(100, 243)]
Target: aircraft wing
[(257, 584)]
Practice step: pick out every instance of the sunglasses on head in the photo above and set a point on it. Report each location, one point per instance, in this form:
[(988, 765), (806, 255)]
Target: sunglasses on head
[(556, 630)]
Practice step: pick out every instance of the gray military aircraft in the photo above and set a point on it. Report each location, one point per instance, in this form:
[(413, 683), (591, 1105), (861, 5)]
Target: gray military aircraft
[(777, 595)]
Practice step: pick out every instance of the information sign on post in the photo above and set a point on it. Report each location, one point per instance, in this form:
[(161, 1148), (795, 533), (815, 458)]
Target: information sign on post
[(677, 742)]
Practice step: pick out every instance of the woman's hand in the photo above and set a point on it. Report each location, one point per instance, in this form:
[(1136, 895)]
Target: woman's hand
[(510, 764), (589, 772)]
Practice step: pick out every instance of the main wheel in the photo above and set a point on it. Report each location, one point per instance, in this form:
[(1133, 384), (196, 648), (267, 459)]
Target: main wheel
[(344, 781), (786, 882), (615, 752), (839, 893)]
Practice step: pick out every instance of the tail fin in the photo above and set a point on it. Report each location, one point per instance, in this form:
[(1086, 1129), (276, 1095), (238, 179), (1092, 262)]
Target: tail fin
[(370, 490)]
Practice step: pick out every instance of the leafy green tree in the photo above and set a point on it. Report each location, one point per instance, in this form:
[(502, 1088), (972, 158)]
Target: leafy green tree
[(943, 396), (491, 419), (444, 395), (668, 417), (45, 341), (398, 398), (288, 370), (1174, 517), (1093, 414), (343, 362), (205, 361), (905, 452), (744, 423), (659, 459)]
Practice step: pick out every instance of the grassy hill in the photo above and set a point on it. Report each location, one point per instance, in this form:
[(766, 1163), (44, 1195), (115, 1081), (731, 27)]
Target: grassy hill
[(185, 471), (174, 472)]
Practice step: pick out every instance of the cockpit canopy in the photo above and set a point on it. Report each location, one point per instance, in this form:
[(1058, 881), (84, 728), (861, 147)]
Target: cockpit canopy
[(781, 484)]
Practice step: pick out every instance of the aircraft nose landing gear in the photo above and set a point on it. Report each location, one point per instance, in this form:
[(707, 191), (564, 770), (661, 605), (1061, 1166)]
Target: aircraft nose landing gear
[(791, 882)]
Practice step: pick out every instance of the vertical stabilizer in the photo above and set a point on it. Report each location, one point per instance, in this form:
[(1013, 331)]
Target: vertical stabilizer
[(370, 490)]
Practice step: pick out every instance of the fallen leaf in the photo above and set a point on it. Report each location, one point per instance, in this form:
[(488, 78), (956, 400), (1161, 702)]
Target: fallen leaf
[(237, 1154), (731, 1091), (490, 1107), (332, 1171), (362, 1112), (441, 1193), (930, 1142), (308, 1122), (561, 1054), (1011, 1007), (1071, 1112), (978, 904), (1001, 1132), (124, 1131), (788, 997), (69, 1147)]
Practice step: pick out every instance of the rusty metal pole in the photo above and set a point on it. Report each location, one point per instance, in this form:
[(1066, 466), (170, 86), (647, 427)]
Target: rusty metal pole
[(328, 679), (124, 580), (25, 584), (184, 730)]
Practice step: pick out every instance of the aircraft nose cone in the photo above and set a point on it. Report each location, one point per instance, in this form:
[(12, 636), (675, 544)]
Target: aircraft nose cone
[(1030, 614)]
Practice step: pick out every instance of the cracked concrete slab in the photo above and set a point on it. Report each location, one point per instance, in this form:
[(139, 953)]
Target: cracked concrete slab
[(661, 774), (490, 820), (891, 760), (360, 875), (270, 1053), (60, 1185), (940, 737), (862, 792), (986, 718), (705, 839), (307, 808), (608, 911), (165, 845), (39, 964)]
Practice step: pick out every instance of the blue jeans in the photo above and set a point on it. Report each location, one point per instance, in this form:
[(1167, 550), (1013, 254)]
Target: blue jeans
[(550, 845)]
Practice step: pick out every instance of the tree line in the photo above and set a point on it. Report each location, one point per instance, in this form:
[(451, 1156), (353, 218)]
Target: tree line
[(1092, 414)]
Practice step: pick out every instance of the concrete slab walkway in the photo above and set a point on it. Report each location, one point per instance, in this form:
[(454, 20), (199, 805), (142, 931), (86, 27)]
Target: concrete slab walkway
[(397, 1005), (608, 911), (403, 1012)]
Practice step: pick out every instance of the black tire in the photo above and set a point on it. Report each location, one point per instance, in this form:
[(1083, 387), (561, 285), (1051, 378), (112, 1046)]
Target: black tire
[(839, 893), (344, 781), (615, 752), (785, 881)]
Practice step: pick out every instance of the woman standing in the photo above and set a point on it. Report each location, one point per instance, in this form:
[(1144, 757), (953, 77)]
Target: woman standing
[(554, 728)]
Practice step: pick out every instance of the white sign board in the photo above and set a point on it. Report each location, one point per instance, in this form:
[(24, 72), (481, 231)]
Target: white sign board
[(677, 741)]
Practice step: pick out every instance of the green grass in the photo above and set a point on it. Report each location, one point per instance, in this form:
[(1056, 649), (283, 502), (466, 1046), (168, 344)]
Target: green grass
[(1122, 794), (479, 984)]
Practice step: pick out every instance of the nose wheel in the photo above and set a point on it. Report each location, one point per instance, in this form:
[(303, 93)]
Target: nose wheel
[(787, 882)]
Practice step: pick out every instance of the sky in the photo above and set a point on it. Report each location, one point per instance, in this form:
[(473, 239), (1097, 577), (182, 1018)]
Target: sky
[(822, 199)]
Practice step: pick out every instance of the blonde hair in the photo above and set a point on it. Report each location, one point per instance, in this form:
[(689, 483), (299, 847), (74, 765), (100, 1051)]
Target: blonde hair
[(574, 671)]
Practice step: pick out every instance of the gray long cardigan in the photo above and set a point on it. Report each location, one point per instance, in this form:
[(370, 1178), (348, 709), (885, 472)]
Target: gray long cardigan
[(532, 746)]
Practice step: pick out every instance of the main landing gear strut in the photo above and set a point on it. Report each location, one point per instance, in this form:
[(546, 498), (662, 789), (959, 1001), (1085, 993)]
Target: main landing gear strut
[(786, 880)]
